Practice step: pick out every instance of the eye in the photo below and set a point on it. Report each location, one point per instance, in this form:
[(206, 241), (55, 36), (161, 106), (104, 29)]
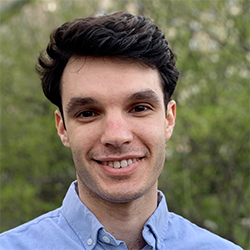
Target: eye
[(86, 114), (140, 108)]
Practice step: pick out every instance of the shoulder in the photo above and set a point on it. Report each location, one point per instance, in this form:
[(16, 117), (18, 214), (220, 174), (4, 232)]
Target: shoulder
[(186, 235), (28, 234)]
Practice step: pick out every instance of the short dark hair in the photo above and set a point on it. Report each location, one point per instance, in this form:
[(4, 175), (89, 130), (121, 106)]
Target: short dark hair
[(116, 35)]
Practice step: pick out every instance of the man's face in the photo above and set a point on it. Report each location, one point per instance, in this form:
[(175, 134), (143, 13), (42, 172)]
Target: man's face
[(115, 125)]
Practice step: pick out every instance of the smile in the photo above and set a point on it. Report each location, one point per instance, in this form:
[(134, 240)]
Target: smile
[(120, 164)]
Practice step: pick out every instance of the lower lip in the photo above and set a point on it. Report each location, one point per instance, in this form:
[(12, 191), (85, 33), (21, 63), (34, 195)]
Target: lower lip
[(130, 169)]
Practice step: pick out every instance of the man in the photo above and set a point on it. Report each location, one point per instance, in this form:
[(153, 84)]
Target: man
[(112, 78)]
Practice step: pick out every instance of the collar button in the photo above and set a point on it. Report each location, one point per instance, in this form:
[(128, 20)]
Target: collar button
[(106, 239), (89, 241)]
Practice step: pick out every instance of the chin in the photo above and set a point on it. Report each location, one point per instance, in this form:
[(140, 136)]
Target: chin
[(122, 196)]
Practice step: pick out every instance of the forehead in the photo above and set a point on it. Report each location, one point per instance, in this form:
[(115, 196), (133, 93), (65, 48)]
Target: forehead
[(102, 76)]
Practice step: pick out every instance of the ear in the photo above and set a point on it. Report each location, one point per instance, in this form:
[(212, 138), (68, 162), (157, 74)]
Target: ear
[(170, 119), (61, 130)]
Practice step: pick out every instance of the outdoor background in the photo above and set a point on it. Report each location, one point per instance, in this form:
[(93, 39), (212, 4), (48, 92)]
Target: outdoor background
[(206, 175)]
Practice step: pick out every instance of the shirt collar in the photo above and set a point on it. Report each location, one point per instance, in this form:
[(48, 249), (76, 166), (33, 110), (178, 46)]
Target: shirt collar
[(78, 216), (155, 228)]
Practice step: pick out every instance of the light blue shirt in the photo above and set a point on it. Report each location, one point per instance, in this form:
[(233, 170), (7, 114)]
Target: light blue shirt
[(73, 226)]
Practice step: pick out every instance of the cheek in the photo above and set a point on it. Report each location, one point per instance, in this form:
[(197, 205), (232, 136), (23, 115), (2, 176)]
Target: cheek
[(82, 136), (153, 137), (155, 132)]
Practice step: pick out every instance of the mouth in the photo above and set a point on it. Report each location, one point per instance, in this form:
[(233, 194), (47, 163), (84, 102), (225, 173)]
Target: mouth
[(119, 164)]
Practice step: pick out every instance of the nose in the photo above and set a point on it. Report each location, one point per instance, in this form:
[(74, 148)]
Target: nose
[(116, 131)]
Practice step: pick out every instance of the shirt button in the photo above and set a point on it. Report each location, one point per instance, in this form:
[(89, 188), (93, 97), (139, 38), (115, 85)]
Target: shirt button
[(106, 239), (89, 241)]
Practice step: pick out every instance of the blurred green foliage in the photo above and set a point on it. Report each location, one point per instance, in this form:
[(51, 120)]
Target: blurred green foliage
[(206, 175)]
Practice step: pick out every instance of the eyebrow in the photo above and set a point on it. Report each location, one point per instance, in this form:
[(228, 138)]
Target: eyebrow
[(148, 95), (80, 101)]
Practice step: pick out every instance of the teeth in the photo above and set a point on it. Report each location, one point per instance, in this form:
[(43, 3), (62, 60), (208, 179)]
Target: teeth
[(124, 163), (130, 162), (120, 164), (117, 164)]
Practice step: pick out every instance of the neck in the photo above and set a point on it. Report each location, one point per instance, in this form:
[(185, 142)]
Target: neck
[(125, 221)]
